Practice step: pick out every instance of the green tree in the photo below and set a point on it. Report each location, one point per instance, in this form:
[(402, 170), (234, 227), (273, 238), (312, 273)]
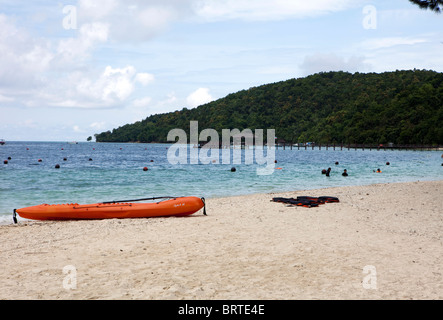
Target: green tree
[(433, 5)]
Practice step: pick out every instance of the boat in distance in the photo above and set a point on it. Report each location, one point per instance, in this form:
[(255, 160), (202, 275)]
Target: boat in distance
[(172, 206)]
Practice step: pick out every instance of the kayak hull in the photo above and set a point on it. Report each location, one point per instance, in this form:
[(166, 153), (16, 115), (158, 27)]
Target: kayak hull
[(180, 206)]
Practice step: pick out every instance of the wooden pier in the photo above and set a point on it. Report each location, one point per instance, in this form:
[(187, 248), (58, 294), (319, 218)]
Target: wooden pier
[(355, 146), (281, 144)]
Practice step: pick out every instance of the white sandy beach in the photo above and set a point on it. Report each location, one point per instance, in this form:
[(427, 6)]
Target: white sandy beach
[(380, 242)]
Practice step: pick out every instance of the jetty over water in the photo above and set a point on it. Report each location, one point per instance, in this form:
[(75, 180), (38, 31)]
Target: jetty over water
[(342, 146), (281, 144)]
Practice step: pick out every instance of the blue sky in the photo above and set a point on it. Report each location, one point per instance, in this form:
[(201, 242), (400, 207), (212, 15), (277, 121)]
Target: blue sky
[(70, 69)]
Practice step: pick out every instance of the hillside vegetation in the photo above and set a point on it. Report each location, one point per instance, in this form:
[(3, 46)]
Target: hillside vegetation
[(403, 107)]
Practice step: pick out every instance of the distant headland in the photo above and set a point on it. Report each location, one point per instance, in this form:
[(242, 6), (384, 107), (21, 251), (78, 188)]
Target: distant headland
[(399, 107)]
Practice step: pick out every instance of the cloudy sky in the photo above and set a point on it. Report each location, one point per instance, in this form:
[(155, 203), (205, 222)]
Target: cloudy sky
[(70, 69)]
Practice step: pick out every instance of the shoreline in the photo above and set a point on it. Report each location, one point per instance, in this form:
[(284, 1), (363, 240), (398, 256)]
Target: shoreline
[(303, 145), (6, 219), (381, 241)]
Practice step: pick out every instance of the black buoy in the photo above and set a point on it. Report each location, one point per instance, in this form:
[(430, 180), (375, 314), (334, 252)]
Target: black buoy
[(9, 158), (336, 162), (57, 166), (90, 159), (233, 169), (387, 163), (64, 159)]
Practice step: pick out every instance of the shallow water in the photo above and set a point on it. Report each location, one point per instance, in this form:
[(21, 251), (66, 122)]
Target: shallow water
[(97, 172)]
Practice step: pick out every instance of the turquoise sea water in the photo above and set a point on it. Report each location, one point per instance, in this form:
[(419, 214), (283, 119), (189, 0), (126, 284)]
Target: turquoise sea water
[(97, 172)]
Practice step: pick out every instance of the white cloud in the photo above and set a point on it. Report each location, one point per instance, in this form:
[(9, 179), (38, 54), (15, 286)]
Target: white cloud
[(143, 20), (379, 43), (199, 97), (75, 50), (23, 57), (114, 85), (37, 72), (156, 18), (142, 24), (96, 31), (5, 98), (98, 125), (110, 88), (141, 103), (134, 21), (324, 62), (97, 9), (170, 103), (117, 83), (265, 10), (140, 108), (144, 78), (29, 123)]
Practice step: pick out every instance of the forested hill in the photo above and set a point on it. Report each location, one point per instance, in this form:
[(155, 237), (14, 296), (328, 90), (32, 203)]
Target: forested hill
[(403, 107)]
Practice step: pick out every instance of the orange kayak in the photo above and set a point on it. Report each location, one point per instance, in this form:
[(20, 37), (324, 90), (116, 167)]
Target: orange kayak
[(180, 206)]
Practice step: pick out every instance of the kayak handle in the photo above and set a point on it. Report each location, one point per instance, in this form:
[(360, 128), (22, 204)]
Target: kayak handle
[(204, 206), (14, 216), (155, 198)]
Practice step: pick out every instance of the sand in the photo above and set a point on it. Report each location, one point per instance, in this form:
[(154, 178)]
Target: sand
[(380, 242)]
